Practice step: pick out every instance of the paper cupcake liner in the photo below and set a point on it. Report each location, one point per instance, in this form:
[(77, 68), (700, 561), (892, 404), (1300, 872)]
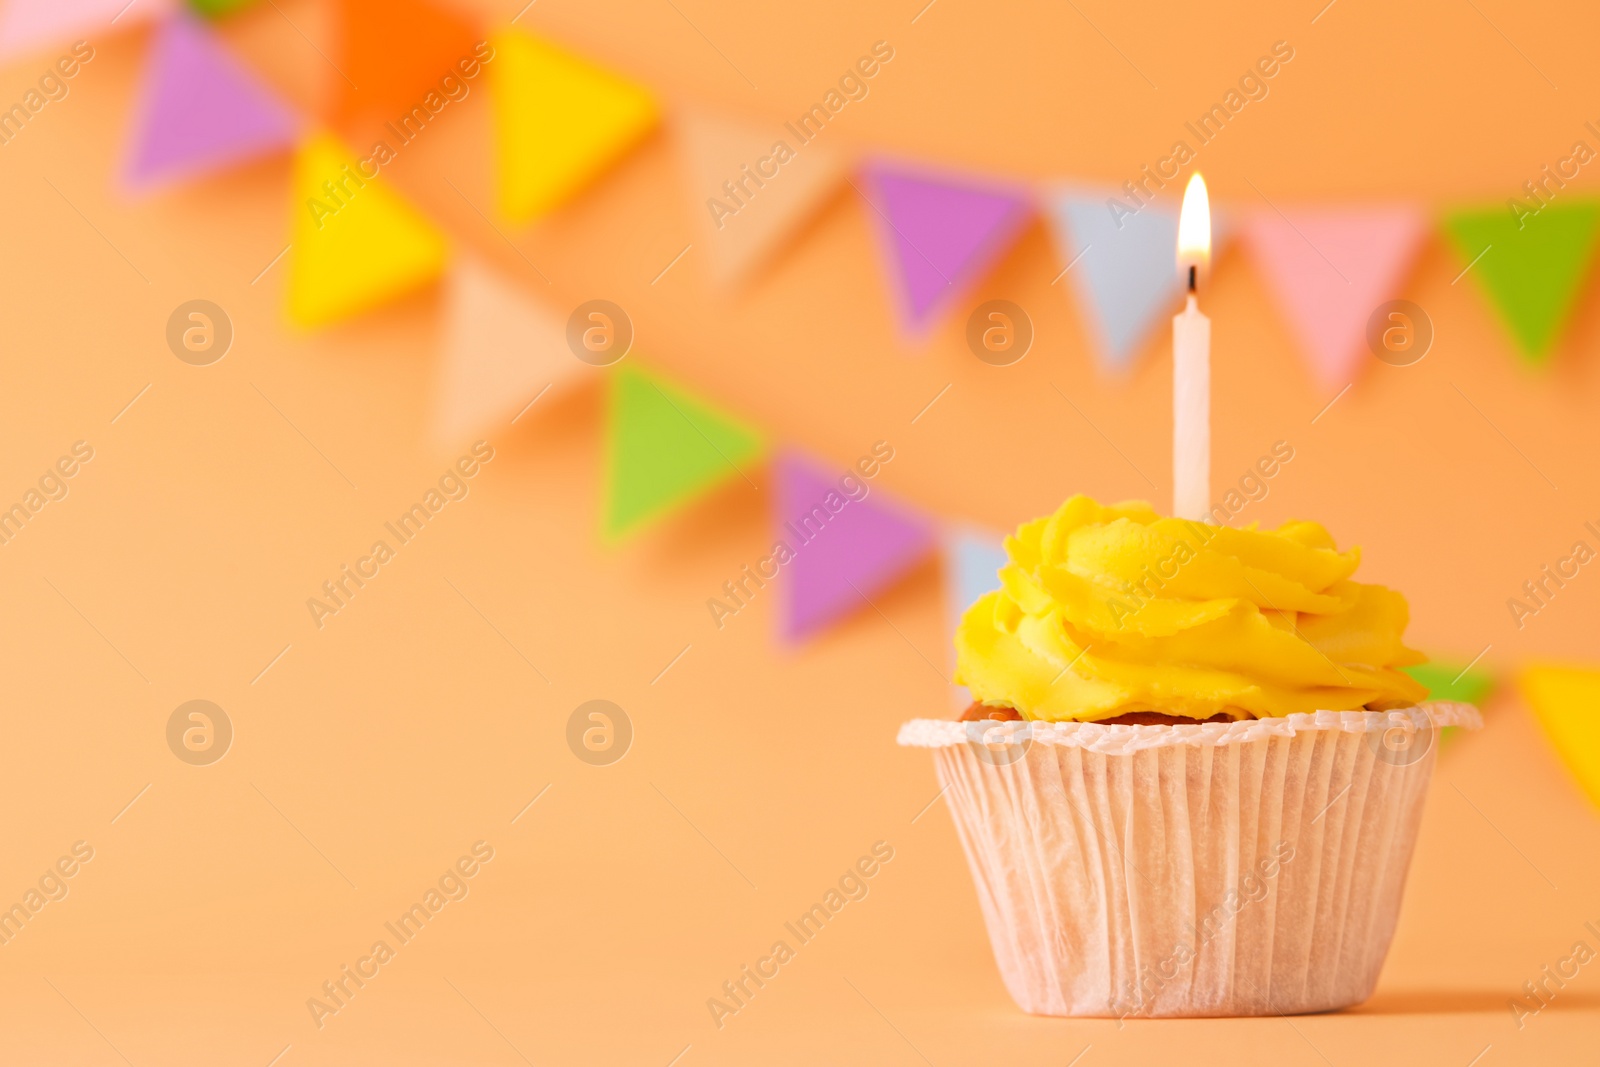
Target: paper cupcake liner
[(1247, 868)]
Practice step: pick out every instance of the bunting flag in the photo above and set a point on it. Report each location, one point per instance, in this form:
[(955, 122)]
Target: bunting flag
[(36, 25), (1531, 267), (941, 234), (665, 447), (973, 559), (502, 351), (202, 111), (1330, 269), (393, 53), (1452, 681), (844, 547), (1565, 700), (751, 188), (217, 8), (1124, 269), (357, 244), (560, 121), (1125, 272)]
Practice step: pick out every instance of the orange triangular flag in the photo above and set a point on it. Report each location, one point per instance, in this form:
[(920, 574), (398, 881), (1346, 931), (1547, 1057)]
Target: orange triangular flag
[(503, 349), (752, 187), (393, 53)]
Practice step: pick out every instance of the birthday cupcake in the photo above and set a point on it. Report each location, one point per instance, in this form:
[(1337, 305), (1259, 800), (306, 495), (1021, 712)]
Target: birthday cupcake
[(1192, 778)]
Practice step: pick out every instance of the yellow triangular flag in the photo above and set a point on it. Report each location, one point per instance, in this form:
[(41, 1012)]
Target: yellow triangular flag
[(559, 120), (1567, 701), (357, 243)]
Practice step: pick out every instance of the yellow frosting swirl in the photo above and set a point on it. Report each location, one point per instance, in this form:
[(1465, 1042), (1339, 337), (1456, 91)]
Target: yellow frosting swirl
[(1105, 610)]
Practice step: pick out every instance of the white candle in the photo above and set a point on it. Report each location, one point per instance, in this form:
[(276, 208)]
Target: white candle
[(1191, 413), (1191, 364)]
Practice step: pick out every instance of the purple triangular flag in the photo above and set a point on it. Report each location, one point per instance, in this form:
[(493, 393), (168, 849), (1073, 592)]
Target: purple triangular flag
[(847, 542), (942, 233), (201, 110)]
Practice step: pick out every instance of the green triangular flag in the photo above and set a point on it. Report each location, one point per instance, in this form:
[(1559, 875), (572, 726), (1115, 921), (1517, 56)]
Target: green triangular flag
[(1533, 273), (214, 8), (665, 447), (1449, 681)]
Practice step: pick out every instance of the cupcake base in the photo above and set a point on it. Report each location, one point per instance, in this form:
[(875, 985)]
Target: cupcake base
[(1244, 868)]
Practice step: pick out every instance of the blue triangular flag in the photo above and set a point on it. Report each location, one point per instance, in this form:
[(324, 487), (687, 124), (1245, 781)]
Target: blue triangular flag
[(1125, 271), (972, 558)]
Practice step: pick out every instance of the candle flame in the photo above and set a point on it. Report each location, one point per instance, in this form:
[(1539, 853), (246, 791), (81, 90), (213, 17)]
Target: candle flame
[(1194, 227)]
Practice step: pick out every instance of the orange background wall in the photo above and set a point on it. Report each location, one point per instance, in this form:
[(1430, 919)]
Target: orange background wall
[(379, 748)]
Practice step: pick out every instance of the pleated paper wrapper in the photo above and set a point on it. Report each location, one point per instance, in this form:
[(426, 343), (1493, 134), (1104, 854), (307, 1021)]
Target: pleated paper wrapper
[(1245, 868)]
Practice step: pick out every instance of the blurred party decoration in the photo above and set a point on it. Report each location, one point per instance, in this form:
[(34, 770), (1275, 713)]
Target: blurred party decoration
[(561, 122), (1122, 269), (665, 447), (357, 243), (201, 111), (394, 55), (972, 559), (1453, 681), (37, 25), (1329, 269), (751, 189), (1564, 699), (502, 350), (218, 8), (1531, 267), (844, 543), (941, 233)]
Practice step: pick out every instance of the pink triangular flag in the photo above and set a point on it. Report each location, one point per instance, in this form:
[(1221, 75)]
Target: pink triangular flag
[(751, 187), (503, 350), (201, 109), (35, 25), (942, 233), (846, 541), (1330, 269)]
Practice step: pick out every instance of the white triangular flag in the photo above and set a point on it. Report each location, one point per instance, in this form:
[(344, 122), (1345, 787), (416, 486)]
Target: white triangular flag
[(503, 350), (752, 187)]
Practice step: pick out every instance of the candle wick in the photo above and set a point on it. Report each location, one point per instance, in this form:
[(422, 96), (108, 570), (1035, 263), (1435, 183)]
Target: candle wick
[(1191, 277)]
